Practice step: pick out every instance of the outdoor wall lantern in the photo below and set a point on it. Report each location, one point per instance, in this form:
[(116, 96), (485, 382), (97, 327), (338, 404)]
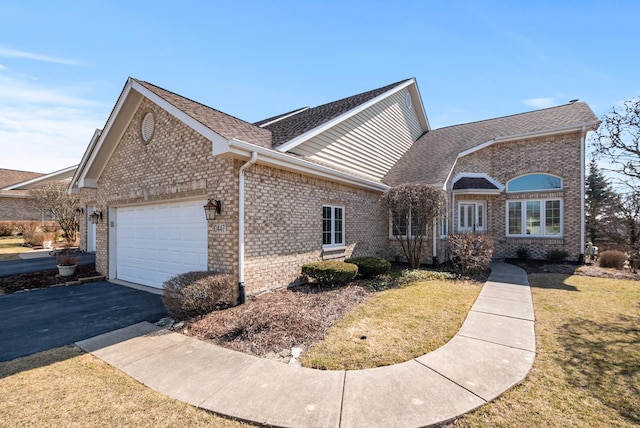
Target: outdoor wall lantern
[(213, 207), (95, 217)]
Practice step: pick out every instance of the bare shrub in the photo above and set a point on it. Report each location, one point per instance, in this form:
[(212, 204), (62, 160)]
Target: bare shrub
[(197, 293), (30, 231), (470, 253), (8, 228), (612, 259)]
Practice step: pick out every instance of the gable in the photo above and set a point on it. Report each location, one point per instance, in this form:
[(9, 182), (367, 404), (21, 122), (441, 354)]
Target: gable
[(370, 142)]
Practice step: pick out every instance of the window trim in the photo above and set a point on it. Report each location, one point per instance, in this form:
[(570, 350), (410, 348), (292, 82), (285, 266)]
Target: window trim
[(333, 245), (543, 217), (555, 189)]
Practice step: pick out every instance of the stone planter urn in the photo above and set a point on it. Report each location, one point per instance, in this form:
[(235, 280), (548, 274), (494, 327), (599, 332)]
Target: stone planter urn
[(66, 270)]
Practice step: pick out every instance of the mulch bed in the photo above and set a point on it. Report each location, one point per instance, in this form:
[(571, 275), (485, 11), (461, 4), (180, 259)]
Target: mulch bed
[(269, 325), (591, 269), (45, 279)]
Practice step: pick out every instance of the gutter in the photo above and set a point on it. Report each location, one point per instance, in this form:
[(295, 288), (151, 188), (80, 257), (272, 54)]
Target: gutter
[(245, 166), (582, 194)]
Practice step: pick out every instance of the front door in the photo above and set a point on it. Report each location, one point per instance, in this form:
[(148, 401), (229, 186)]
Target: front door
[(91, 231), (472, 216)]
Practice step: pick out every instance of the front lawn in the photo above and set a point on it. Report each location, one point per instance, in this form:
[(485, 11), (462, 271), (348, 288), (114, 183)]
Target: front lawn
[(64, 387), (587, 368), (11, 247)]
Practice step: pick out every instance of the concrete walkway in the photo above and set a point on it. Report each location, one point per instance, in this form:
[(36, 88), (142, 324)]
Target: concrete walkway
[(493, 351)]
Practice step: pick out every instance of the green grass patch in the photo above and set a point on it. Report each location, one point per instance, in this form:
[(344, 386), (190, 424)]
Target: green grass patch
[(587, 368), (11, 247), (395, 326)]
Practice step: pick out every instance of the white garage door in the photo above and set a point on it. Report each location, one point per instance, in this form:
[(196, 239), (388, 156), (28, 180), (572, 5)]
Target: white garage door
[(156, 242)]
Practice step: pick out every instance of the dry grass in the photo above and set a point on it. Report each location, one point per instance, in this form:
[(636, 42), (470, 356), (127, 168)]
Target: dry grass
[(587, 368), (64, 387), (10, 248), (395, 326)]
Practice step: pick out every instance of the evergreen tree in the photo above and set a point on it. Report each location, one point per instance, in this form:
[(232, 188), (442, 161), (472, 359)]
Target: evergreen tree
[(599, 199)]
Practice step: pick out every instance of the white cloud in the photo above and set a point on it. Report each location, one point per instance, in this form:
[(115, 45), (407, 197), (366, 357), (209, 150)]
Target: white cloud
[(14, 53), (45, 129), (540, 102), (2, 67)]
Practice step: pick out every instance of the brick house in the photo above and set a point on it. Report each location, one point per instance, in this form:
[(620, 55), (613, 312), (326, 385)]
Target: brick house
[(305, 185), (15, 202)]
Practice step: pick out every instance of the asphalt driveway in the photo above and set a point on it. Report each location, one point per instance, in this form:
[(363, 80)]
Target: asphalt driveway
[(39, 320), (15, 267)]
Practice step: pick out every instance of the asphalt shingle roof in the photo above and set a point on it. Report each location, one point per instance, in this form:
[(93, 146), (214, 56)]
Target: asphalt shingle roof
[(9, 177), (432, 156), (296, 125), (219, 122), (473, 183)]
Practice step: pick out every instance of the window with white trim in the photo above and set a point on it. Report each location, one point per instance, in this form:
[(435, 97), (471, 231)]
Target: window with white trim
[(398, 226), (534, 217), (540, 217), (332, 226)]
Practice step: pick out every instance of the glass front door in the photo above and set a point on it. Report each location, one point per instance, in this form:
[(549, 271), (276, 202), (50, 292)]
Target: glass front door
[(472, 216)]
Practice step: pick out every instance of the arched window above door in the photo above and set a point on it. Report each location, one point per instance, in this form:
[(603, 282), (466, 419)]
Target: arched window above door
[(534, 182)]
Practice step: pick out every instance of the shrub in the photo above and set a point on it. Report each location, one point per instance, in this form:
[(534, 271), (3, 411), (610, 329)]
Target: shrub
[(523, 254), (612, 259), (197, 293), (7, 228), (470, 253), (409, 276), (557, 256), (330, 272), (370, 267)]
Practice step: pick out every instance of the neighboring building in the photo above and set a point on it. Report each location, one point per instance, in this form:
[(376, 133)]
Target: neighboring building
[(15, 202), (305, 185)]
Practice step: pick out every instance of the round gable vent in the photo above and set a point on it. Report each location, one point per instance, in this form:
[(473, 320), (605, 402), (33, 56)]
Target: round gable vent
[(407, 99), (148, 125)]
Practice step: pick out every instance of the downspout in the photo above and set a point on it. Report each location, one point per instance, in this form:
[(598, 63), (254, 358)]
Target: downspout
[(241, 290), (582, 194), (434, 249)]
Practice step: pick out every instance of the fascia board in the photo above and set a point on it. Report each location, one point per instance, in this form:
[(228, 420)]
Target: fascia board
[(422, 114), (284, 161), (284, 117), (477, 192), (14, 195), (51, 176), (344, 116), (73, 186), (525, 135), (105, 132)]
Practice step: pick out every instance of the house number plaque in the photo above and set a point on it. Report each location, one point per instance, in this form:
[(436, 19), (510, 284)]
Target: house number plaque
[(219, 228)]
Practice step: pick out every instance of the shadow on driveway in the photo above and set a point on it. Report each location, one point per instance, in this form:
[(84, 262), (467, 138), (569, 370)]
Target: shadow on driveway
[(40, 320)]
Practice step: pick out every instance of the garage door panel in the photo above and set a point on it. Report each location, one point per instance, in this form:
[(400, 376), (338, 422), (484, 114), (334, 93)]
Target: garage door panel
[(156, 242)]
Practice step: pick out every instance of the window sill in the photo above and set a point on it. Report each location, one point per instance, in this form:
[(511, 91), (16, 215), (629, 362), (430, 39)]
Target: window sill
[(336, 248)]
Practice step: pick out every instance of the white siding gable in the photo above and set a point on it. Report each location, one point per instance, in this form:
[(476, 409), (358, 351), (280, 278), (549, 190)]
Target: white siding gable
[(370, 142)]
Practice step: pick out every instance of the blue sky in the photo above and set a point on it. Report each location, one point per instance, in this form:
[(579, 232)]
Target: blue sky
[(64, 63)]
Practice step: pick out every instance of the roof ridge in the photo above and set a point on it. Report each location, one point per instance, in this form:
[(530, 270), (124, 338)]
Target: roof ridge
[(511, 115)]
